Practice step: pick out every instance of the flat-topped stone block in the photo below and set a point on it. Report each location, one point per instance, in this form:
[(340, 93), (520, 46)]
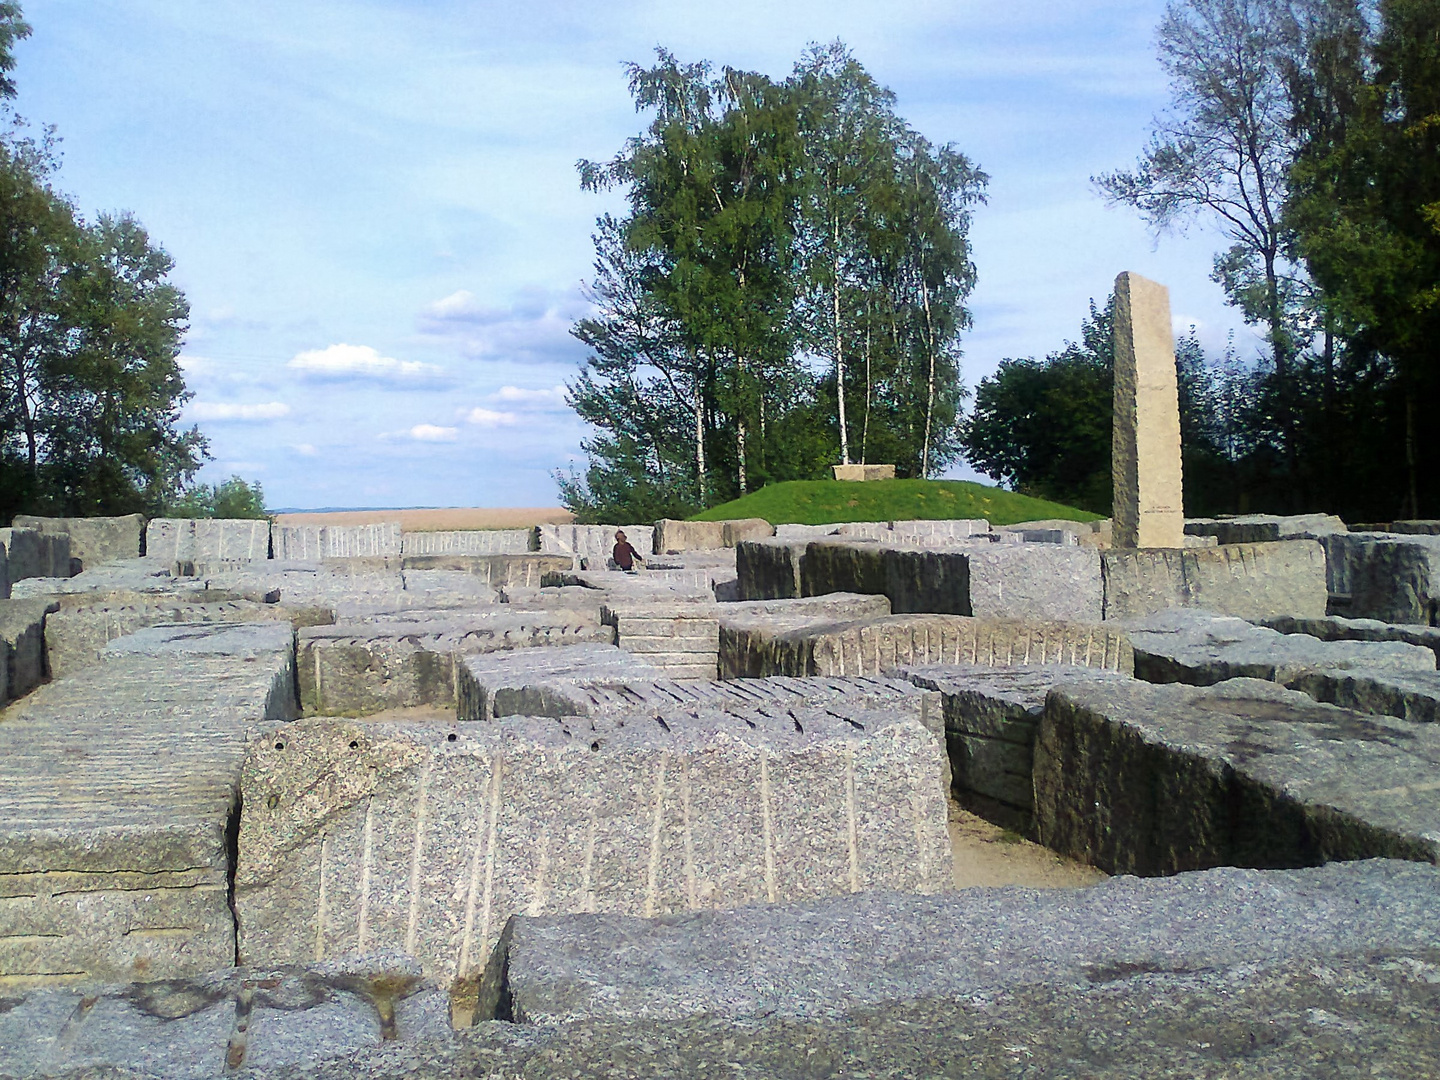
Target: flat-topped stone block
[(120, 781), (674, 537), (529, 570), (1251, 581), (427, 837), (1144, 779), (22, 632), (311, 543), (1409, 695), (93, 541), (30, 553), (469, 542), (770, 569), (1259, 528), (199, 539), (882, 646), (360, 668), (863, 472), (1396, 579), (854, 954), (747, 627), (1336, 628), (682, 640), (541, 682), (1201, 648)]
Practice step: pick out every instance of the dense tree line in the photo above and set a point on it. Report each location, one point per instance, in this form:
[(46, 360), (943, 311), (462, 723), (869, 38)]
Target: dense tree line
[(90, 328), (786, 291), (1309, 132)]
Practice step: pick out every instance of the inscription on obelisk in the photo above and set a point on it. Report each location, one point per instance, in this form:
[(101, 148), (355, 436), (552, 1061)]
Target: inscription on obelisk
[(1145, 459)]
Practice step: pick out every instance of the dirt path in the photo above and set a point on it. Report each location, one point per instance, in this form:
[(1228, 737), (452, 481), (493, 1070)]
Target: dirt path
[(986, 854)]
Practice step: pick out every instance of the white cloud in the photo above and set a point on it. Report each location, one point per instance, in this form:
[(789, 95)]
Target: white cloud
[(362, 362), (224, 410), (491, 418), (554, 396), (534, 328), (433, 433), (305, 449)]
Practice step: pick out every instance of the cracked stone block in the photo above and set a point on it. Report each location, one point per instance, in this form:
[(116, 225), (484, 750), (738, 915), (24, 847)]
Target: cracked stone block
[(93, 541), (180, 540), (22, 634), (30, 553), (120, 783), (882, 646), (1143, 779), (427, 837), (1202, 648), (1250, 581), (851, 954), (1336, 628), (358, 668)]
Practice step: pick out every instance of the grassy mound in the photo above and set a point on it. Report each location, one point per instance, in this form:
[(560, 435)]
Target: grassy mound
[(820, 502)]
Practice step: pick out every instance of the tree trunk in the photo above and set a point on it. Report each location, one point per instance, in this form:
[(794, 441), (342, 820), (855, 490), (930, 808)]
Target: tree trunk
[(740, 455), (839, 348), (865, 429), (700, 443), (929, 382)]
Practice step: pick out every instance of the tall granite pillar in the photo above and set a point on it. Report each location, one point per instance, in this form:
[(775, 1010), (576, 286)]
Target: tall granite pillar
[(1145, 460)]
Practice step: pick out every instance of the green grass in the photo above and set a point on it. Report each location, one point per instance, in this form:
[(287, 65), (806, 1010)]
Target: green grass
[(820, 502)]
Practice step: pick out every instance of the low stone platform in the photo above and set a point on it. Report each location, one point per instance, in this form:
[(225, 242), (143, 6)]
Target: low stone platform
[(681, 639), (1201, 648), (357, 668), (1336, 628), (841, 956), (747, 625), (882, 646), (117, 787), (1143, 779), (427, 836), (542, 682), (991, 717)]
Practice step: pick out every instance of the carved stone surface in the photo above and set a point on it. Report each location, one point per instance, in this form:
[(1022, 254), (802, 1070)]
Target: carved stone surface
[(1144, 779), (192, 539), (311, 543), (428, 836), (1251, 581), (94, 541), (471, 542)]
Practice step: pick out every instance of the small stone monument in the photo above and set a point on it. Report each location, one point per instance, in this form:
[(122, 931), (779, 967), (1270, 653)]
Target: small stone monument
[(1145, 458), (864, 472)]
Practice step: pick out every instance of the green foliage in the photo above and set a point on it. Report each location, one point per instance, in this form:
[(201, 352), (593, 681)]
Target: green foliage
[(820, 502), (771, 225), (235, 498)]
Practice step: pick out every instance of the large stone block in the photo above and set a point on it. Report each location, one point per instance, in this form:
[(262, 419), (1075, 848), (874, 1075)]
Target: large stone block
[(770, 569), (948, 528), (120, 782), (746, 626), (22, 630), (1039, 581), (1396, 580), (1409, 695), (528, 571), (593, 544), (683, 640), (470, 542), (428, 837), (676, 536), (1145, 452), (863, 472), (188, 540), (311, 543), (1260, 528), (1251, 581), (881, 646), (863, 954), (361, 668), (74, 635), (1144, 779), (542, 682), (22, 554), (93, 541), (740, 529), (1335, 628), (1425, 527), (1200, 648)]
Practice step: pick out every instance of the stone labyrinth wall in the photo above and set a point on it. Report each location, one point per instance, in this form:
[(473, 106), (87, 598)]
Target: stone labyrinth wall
[(275, 801)]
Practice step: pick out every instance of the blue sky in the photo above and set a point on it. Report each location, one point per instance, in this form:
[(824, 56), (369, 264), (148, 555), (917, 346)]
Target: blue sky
[(374, 212)]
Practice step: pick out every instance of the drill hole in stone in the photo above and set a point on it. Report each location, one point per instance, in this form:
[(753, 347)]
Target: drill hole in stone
[(279, 746), (594, 746), (354, 745), (451, 737)]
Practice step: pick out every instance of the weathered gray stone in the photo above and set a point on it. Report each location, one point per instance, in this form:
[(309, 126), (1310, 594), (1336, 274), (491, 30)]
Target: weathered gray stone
[(953, 528), (747, 626), (592, 544), (246, 640), (361, 668), (1260, 528), (844, 955), (1144, 779), (676, 536), (681, 639), (183, 540), (22, 631), (1396, 580), (311, 543), (427, 837), (119, 782), (1251, 581), (805, 533), (881, 646), (541, 682), (22, 554), (1201, 648), (1335, 628), (93, 541), (74, 636), (253, 1023), (739, 529), (1426, 527), (770, 569), (524, 571), (1145, 451), (1410, 695), (470, 542), (980, 579), (991, 716), (4, 577)]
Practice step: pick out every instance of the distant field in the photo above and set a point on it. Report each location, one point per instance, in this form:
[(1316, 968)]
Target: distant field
[(820, 502), (438, 519)]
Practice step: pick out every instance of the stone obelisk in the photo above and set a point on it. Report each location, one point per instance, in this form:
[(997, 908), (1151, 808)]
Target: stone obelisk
[(1145, 458)]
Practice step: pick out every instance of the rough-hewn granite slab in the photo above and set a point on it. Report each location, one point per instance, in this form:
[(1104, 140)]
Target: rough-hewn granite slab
[(541, 682), (1335, 628), (1251, 581), (527, 570), (1145, 779), (470, 542), (357, 668), (1396, 579), (427, 837), (745, 627), (22, 633), (1202, 648), (991, 716), (311, 543), (592, 542), (681, 639), (94, 541), (1410, 695), (30, 553), (191, 539), (1261, 528), (836, 956), (116, 787), (986, 580), (881, 646), (770, 569)]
